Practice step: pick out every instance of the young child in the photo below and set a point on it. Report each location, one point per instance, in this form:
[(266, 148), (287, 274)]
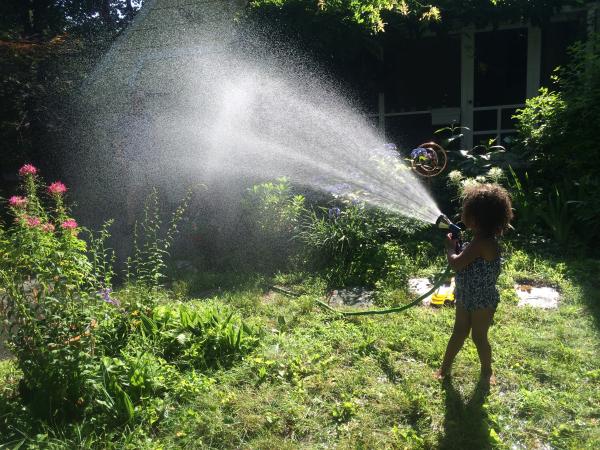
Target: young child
[(487, 211)]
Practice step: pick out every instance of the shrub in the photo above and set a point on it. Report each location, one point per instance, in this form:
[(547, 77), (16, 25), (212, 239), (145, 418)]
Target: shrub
[(49, 298), (356, 245), (559, 129), (348, 243), (540, 123), (560, 126), (548, 212), (272, 215)]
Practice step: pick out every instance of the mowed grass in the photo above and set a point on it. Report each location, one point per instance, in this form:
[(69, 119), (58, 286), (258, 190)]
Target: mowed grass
[(316, 381)]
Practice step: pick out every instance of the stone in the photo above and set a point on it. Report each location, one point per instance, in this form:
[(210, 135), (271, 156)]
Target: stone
[(544, 297), (357, 297), (420, 286)]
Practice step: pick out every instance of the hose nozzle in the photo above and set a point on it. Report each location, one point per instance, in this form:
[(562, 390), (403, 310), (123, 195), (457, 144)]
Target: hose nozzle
[(444, 223)]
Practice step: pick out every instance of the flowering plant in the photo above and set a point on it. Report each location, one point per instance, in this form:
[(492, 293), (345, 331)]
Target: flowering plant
[(69, 224), (47, 286), (28, 170), (17, 201), (57, 188), (74, 339)]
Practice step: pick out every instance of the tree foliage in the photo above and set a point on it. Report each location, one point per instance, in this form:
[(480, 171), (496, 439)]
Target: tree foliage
[(374, 15), (367, 13), (560, 127), (46, 47), (559, 130)]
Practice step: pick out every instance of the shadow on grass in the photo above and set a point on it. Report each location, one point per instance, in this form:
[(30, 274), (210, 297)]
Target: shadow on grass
[(16, 423), (465, 423), (584, 274), (209, 284)]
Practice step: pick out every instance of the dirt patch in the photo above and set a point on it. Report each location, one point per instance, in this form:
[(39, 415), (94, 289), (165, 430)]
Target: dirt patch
[(269, 297)]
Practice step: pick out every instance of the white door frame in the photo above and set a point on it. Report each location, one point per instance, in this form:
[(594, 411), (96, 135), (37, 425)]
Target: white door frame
[(467, 84), (467, 74)]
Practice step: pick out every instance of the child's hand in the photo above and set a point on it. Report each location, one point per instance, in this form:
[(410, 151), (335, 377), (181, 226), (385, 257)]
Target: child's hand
[(451, 244)]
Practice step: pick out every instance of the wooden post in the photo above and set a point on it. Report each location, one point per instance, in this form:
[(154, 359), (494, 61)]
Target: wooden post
[(467, 84)]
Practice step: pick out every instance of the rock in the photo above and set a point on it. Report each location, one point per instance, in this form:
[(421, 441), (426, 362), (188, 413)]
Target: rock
[(420, 286), (358, 297), (544, 297)]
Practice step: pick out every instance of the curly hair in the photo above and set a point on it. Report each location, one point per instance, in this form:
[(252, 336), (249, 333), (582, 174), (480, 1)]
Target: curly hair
[(487, 207)]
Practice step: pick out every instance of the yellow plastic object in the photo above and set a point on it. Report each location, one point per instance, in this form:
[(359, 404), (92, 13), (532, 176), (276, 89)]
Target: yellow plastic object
[(444, 295)]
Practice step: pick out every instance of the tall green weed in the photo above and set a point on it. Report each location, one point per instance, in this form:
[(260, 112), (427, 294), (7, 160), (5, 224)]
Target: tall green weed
[(152, 242)]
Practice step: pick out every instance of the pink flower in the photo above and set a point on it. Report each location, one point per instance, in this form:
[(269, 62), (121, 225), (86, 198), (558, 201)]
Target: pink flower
[(33, 222), (28, 169), (17, 201), (48, 227), (69, 224), (57, 188)]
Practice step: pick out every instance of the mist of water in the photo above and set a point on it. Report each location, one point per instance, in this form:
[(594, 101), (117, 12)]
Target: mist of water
[(222, 114), (269, 125)]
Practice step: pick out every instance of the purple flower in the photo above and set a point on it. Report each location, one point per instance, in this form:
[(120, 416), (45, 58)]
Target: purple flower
[(105, 295), (339, 189), (418, 152), (334, 212)]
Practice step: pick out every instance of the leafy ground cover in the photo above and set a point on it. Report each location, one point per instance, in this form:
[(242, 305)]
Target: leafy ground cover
[(308, 380)]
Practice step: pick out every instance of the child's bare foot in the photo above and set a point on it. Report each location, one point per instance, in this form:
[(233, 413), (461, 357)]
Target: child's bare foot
[(488, 378), (442, 375)]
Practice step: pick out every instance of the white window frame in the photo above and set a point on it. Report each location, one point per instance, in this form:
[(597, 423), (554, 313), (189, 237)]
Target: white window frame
[(498, 130), (533, 71)]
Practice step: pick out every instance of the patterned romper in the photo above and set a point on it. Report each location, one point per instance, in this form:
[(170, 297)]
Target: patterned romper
[(476, 285)]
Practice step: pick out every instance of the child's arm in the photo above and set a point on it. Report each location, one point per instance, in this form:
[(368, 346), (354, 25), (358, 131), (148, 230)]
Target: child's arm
[(463, 259)]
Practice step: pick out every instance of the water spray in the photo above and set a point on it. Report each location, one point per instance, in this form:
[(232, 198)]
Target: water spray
[(427, 160)]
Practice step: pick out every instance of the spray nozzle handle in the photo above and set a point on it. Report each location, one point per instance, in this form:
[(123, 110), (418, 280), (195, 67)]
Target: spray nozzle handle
[(455, 231), (444, 223)]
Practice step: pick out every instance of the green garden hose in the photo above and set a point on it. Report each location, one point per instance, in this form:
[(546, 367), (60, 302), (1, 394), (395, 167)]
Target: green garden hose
[(372, 312)]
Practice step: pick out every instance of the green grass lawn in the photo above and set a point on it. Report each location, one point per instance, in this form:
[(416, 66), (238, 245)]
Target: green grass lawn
[(315, 381)]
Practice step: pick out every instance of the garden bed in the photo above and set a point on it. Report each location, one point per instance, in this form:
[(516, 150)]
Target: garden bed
[(315, 381)]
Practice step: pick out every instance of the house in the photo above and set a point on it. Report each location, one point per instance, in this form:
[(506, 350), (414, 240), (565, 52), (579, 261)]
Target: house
[(475, 77)]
